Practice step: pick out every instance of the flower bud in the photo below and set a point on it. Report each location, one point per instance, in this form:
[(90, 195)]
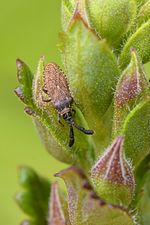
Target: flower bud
[(112, 176), (56, 216), (131, 88), (69, 9), (74, 180), (111, 18)]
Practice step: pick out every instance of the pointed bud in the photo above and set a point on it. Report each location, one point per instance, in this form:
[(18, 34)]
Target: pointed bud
[(112, 176), (56, 216), (74, 179), (111, 18), (132, 82), (70, 9), (131, 88)]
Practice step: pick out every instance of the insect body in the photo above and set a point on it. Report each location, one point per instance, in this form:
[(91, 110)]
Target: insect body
[(56, 87)]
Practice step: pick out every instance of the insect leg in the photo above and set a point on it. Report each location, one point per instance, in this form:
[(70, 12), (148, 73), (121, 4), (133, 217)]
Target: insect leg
[(44, 90), (71, 142), (45, 100), (82, 129), (74, 111), (59, 120)]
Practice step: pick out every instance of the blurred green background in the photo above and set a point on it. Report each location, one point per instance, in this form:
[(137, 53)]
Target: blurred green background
[(29, 29)]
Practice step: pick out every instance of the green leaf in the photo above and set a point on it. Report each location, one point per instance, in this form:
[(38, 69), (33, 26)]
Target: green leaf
[(144, 13), (25, 78), (34, 199), (109, 215), (111, 18), (85, 208), (140, 2), (143, 204), (50, 143), (142, 173), (30, 205), (140, 41), (48, 122), (67, 8), (137, 133), (24, 92), (69, 4), (91, 69)]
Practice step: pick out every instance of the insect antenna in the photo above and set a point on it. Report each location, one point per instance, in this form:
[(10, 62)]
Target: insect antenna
[(71, 142), (82, 129)]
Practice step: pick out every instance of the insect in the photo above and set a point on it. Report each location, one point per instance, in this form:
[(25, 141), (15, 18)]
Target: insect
[(57, 90)]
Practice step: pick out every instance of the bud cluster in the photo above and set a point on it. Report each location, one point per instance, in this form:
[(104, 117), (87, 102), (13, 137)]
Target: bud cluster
[(94, 113)]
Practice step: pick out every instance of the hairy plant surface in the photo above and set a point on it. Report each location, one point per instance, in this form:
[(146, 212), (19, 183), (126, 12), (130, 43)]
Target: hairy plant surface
[(94, 115)]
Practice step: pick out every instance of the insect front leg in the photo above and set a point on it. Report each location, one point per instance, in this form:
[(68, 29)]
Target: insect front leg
[(59, 116), (74, 111), (45, 91), (46, 100), (71, 142)]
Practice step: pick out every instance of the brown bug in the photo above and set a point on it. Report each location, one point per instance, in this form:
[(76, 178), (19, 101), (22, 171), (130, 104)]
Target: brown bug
[(56, 87)]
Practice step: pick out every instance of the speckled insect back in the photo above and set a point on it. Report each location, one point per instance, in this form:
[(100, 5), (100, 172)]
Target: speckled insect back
[(57, 90)]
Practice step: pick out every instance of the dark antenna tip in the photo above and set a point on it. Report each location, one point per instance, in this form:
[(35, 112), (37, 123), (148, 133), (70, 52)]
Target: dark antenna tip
[(89, 132)]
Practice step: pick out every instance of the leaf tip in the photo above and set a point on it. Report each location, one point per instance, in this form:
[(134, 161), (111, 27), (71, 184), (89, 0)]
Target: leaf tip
[(19, 63), (56, 215)]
